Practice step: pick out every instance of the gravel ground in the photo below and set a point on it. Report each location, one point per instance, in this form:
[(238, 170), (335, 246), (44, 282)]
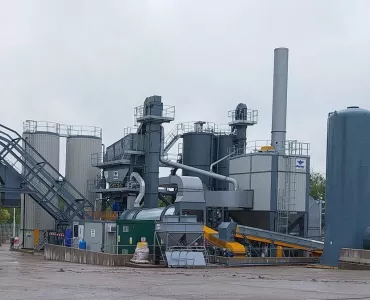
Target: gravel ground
[(25, 276)]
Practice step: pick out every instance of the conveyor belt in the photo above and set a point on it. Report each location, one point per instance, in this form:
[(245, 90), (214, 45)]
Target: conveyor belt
[(279, 239), (212, 237)]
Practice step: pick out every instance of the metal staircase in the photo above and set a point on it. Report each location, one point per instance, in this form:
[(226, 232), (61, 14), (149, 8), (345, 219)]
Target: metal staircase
[(45, 184), (171, 138)]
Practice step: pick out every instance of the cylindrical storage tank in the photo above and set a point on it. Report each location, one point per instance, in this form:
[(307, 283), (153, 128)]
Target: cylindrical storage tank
[(45, 139), (79, 170), (347, 182), (223, 145), (198, 152)]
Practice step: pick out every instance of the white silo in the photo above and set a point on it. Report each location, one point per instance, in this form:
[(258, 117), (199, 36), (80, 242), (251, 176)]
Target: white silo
[(44, 138), (82, 142)]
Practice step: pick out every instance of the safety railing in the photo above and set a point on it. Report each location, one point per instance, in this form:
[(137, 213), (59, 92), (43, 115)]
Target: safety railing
[(193, 126), (96, 159), (168, 112), (104, 215), (112, 183), (247, 116), (31, 126), (292, 147)]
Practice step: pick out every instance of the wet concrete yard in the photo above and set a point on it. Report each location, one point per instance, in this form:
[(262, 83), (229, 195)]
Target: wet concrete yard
[(24, 276)]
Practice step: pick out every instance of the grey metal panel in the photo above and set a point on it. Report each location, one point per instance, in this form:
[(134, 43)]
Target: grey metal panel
[(78, 163), (347, 182), (231, 199), (274, 182), (244, 180), (48, 145), (118, 173), (185, 259), (261, 163), (198, 152), (314, 219), (110, 239), (93, 236), (261, 184), (240, 164), (300, 193)]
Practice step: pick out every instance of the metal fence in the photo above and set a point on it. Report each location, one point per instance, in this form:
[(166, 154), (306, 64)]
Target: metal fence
[(6, 232)]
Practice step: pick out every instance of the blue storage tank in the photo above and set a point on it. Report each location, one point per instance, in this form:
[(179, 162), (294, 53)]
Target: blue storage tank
[(68, 237), (347, 182), (82, 245)]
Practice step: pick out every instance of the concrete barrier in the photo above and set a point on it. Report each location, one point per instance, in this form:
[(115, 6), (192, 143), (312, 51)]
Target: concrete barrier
[(73, 255), (354, 259), (269, 261)]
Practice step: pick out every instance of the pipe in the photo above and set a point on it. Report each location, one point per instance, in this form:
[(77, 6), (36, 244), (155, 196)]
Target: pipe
[(279, 100), (142, 188), (167, 162), (220, 160)]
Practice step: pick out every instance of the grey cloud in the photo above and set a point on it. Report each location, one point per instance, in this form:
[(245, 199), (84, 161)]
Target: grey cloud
[(91, 62)]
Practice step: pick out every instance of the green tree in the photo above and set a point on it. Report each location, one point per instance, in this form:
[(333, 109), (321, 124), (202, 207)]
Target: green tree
[(317, 186), (17, 215), (4, 215)]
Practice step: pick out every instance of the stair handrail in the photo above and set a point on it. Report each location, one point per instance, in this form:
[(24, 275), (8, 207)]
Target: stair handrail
[(41, 157)]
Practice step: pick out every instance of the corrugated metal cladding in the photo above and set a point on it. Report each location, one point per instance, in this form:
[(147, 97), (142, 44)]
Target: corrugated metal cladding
[(47, 144), (78, 163)]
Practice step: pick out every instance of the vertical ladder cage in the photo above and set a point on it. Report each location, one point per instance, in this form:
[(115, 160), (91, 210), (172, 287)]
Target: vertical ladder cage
[(287, 196)]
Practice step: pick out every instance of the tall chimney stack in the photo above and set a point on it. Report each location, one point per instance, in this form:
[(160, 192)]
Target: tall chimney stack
[(279, 102)]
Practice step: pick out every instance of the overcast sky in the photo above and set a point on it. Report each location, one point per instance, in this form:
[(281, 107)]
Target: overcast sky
[(91, 62)]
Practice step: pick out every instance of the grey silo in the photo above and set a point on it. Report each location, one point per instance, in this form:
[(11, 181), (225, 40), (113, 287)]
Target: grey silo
[(44, 138), (347, 182), (198, 152), (79, 169)]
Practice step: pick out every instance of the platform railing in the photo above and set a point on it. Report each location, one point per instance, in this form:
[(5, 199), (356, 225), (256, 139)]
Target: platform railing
[(32, 126), (292, 147), (248, 116)]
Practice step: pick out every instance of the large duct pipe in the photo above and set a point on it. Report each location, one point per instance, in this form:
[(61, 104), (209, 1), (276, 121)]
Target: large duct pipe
[(279, 102), (220, 160), (200, 171), (142, 188)]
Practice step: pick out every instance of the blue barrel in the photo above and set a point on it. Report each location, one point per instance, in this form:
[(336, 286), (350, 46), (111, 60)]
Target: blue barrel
[(68, 237), (82, 245)]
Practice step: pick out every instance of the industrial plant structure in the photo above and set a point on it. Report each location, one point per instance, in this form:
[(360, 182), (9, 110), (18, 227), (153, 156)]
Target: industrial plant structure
[(225, 178)]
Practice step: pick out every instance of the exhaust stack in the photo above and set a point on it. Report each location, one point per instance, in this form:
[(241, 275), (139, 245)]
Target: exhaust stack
[(279, 100)]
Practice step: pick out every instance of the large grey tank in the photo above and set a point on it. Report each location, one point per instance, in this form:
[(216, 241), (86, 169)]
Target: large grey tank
[(198, 152), (44, 137), (223, 144), (79, 170), (347, 182)]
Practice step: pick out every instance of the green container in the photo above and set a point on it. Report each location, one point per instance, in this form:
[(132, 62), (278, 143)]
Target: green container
[(131, 232)]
